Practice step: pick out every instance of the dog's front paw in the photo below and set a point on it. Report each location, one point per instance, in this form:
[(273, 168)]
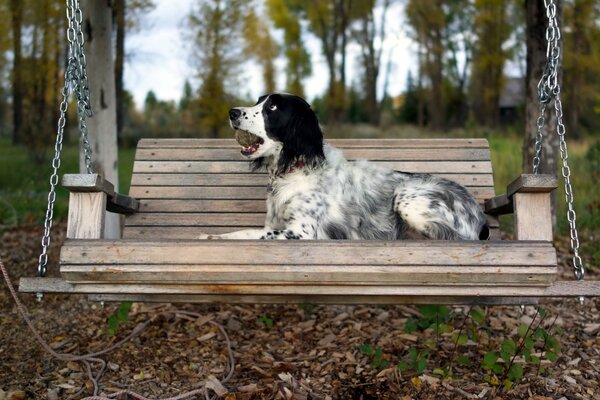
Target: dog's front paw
[(204, 236)]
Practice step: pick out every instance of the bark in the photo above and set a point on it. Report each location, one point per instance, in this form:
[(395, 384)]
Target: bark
[(576, 79), (536, 58), (97, 26), (436, 76), (119, 11), (16, 11)]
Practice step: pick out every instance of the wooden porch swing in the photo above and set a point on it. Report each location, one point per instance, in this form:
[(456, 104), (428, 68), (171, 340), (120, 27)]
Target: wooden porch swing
[(181, 187)]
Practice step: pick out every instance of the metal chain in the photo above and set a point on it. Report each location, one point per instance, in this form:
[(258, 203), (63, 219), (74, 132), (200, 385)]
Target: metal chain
[(75, 80), (82, 91), (548, 90)]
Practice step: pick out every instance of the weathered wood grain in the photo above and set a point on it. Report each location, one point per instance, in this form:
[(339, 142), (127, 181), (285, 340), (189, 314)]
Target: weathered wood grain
[(241, 192), (529, 183), (197, 219), (309, 252), (557, 289), (533, 216), (87, 183), (308, 274), (372, 154), (86, 215), (261, 179), (341, 143), (481, 167)]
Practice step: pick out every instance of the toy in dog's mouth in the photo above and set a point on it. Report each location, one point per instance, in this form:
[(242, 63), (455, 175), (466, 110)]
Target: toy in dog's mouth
[(249, 142)]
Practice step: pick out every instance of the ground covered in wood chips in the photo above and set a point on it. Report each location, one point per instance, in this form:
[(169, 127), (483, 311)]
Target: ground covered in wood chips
[(284, 351)]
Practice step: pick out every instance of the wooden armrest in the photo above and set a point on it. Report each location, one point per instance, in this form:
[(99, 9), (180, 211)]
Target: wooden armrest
[(91, 196), (94, 183), (121, 204), (526, 183), (499, 205), (78, 183), (529, 183)]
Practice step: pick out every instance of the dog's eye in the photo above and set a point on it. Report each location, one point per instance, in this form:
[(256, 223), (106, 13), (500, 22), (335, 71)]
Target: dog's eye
[(272, 107)]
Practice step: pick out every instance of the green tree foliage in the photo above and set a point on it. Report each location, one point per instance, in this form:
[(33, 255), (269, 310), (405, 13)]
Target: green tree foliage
[(36, 71), (127, 17), (366, 32), (261, 47), (428, 22), (492, 27), (215, 27), (330, 21), (298, 67), (5, 44), (581, 64)]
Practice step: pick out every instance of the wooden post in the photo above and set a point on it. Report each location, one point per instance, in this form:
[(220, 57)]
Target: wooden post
[(87, 205), (102, 127), (532, 206)]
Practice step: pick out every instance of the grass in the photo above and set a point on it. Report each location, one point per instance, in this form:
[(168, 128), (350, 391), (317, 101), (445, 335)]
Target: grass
[(24, 186)]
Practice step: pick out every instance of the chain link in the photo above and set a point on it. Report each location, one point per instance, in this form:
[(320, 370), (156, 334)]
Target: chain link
[(548, 90), (75, 81)]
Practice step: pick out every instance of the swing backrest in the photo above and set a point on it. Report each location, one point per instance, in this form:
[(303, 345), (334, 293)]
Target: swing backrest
[(186, 186)]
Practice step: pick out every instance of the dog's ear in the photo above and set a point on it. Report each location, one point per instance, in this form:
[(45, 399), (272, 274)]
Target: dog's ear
[(303, 139)]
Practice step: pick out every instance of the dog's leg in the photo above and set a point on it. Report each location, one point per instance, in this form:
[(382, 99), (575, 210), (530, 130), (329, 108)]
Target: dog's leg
[(296, 230)]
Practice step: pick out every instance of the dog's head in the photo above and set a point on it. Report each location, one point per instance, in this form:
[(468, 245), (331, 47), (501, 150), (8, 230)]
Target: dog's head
[(279, 127)]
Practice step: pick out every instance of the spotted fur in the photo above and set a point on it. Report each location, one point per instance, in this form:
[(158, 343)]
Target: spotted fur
[(314, 193)]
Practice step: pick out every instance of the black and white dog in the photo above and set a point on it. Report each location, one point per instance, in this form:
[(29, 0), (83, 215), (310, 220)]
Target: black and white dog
[(314, 193)]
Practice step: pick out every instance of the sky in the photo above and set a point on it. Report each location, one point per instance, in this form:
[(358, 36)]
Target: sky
[(158, 58)]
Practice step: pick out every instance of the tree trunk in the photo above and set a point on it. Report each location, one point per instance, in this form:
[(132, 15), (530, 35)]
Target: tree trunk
[(436, 77), (119, 10), (536, 58), (16, 11), (102, 127)]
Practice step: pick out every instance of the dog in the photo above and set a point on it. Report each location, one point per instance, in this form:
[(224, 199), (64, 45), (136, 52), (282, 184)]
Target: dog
[(314, 193)]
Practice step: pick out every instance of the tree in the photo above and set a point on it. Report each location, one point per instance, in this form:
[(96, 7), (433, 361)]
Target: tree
[(126, 16), (329, 21), (428, 21), (492, 28), (5, 43), (260, 45), (459, 40), (215, 28), (298, 60), (581, 61), (369, 30), (16, 13), (536, 57)]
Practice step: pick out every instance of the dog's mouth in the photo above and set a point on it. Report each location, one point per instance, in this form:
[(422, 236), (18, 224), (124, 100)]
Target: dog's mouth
[(249, 142)]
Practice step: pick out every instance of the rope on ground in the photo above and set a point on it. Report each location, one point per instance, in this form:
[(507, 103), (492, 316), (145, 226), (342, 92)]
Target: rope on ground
[(88, 359)]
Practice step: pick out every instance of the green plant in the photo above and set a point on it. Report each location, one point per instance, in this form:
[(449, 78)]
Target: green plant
[(417, 361), (122, 315), (266, 321), (376, 354), (532, 337)]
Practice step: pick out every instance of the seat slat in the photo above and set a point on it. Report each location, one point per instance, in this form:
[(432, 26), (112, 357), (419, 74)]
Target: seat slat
[(309, 274), (176, 232), (381, 154), (239, 192), (197, 219), (341, 143), (415, 294), (261, 179), (202, 206), (481, 167), (310, 252)]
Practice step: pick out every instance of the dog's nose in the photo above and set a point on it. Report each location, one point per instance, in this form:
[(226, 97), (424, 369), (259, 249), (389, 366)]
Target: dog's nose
[(234, 114)]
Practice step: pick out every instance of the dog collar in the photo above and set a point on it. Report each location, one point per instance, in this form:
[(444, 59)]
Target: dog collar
[(299, 165)]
